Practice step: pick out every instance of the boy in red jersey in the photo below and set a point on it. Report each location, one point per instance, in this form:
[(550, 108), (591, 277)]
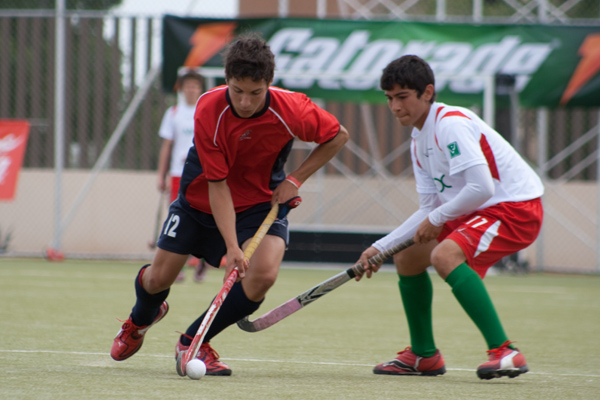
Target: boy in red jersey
[(177, 133), (479, 201), (243, 134)]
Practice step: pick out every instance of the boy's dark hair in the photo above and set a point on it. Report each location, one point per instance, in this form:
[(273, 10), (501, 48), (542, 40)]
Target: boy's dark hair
[(188, 73), (249, 56), (409, 72)]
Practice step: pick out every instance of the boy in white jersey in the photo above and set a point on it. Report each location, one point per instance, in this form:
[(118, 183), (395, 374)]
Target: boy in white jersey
[(177, 132), (479, 202)]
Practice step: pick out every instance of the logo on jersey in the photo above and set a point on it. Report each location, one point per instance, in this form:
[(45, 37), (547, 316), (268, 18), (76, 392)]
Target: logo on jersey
[(441, 182), (454, 150), (245, 135)]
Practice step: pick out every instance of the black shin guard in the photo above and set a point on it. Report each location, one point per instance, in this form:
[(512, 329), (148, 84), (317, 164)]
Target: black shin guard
[(147, 305), (235, 307)]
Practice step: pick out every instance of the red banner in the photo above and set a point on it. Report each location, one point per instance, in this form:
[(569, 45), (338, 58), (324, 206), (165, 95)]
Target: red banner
[(13, 139)]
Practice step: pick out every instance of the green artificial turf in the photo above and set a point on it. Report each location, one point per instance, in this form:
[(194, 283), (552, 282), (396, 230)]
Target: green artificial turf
[(59, 319)]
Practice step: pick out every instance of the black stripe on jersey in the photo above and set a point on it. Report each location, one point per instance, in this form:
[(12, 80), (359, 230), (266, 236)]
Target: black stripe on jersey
[(277, 172), (191, 170)]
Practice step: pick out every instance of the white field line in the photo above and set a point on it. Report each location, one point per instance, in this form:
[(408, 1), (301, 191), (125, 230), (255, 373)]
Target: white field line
[(83, 353)]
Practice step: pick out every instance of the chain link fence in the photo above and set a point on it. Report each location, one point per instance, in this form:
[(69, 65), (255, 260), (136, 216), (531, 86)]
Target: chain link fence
[(113, 49)]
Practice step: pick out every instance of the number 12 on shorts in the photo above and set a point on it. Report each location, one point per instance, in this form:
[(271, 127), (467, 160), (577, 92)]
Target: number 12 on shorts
[(171, 225)]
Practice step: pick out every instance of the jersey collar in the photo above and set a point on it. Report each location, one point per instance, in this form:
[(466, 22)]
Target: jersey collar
[(255, 115), (429, 121)]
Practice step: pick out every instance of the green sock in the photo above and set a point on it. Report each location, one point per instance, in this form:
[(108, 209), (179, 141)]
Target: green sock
[(417, 295), (469, 290)]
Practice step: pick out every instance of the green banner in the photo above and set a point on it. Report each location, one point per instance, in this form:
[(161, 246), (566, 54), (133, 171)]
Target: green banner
[(342, 60)]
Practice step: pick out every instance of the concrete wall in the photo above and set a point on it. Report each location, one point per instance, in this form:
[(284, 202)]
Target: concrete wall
[(118, 217)]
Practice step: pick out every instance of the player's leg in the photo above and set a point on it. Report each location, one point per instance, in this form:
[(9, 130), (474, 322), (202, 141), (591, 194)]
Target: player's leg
[(469, 290), (264, 268), (416, 291), (163, 271), (244, 298), (264, 265), (475, 243), (152, 285), (179, 234), (200, 270)]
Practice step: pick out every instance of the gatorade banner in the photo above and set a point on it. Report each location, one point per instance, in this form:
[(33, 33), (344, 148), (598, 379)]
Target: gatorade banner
[(554, 66), (13, 139)]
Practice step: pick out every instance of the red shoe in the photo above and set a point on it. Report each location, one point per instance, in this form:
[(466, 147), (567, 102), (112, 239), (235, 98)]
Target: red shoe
[(193, 262), (180, 276), (408, 363), (504, 361), (209, 357), (200, 271), (131, 337)]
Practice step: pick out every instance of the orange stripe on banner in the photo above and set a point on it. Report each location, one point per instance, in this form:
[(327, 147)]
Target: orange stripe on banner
[(588, 67), (207, 41)]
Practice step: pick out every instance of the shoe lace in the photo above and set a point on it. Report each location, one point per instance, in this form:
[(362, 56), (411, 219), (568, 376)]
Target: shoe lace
[(405, 350), (209, 351), (496, 353), (130, 328), (127, 324)]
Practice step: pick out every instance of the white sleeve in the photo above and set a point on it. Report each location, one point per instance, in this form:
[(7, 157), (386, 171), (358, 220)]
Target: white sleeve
[(479, 188), (167, 130), (427, 202)]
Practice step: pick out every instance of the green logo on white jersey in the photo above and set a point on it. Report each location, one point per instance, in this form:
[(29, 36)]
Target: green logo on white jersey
[(454, 150)]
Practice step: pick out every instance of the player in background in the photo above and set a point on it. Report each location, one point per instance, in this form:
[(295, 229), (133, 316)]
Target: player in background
[(478, 202), (244, 132), (177, 132)]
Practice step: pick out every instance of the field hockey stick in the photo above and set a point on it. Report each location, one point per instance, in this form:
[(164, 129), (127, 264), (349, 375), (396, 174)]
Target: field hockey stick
[(291, 306), (184, 357), (158, 225)]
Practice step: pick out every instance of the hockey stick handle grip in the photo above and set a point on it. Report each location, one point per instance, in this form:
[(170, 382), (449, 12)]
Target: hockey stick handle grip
[(359, 269), (262, 231)]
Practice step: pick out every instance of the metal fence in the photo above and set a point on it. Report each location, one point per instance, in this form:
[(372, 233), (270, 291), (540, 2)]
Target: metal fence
[(110, 56)]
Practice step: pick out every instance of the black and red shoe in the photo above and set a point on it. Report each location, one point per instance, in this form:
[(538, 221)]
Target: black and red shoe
[(209, 357), (131, 337), (503, 361), (408, 363)]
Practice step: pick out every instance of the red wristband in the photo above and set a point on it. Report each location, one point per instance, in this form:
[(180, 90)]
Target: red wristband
[(293, 181)]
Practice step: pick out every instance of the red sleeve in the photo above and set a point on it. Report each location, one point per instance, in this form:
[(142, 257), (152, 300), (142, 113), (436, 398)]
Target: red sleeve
[(212, 151), (314, 123)]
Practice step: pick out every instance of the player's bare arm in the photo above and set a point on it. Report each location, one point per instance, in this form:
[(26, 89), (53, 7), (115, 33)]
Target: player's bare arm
[(285, 191), (315, 160), (164, 159), (221, 205), (427, 232)]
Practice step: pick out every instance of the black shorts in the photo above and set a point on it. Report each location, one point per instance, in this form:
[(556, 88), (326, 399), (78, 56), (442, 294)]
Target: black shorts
[(190, 231)]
